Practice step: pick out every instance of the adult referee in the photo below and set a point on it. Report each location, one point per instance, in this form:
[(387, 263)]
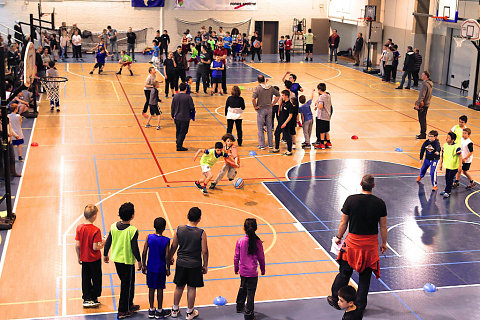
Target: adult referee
[(362, 213), (309, 44)]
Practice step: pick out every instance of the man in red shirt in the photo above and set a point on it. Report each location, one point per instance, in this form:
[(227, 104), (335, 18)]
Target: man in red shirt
[(88, 245), (222, 52)]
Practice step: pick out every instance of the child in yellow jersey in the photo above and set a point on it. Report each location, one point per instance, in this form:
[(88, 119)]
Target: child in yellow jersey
[(458, 128), (232, 163), (450, 158), (208, 160)]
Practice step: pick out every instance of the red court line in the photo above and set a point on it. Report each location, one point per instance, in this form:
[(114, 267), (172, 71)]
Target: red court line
[(143, 132)]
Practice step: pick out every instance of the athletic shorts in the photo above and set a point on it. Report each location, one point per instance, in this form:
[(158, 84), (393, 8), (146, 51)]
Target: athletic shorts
[(192, 277), (216, 80), (154, 111), (124, 64), (309, 48), (229, 52), (323, 126), (205, 168), (156, 280), (99, 65), (20, 142), (465, 166)]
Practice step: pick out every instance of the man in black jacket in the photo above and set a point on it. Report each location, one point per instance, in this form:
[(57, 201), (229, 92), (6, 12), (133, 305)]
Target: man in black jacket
[(182, 110), (333, 42), (357, 49), (408, 68), (131, 39)]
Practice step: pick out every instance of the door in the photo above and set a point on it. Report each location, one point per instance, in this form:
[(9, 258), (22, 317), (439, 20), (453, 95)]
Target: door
[(460, 60), (270, 37), (321, 29), (268, 30)]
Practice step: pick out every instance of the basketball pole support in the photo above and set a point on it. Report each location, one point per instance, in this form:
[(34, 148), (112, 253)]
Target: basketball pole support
[(7, 222), (475, 86)]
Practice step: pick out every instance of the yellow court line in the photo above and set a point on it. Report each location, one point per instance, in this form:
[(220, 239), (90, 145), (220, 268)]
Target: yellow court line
[(115, 89), (87, 194), (165, 213), (468, 205)]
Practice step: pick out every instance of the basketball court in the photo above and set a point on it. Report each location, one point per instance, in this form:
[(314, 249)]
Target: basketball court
[(97, 150)]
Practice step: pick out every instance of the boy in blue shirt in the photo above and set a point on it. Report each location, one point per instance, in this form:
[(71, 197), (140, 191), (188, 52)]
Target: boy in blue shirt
[(281, 48), (217, 70), (307, 118), (291, 83), (228, 44), (100, 60), (156, 54), (157, 269), (431, 148)]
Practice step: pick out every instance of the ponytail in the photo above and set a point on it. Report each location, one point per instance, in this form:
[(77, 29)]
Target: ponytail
[(250, 227)]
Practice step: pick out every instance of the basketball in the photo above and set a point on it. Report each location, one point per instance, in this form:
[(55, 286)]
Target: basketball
[(238, 183)]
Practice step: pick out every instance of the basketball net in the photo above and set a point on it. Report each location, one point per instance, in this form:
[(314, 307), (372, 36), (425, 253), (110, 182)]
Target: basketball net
[(52, 86)]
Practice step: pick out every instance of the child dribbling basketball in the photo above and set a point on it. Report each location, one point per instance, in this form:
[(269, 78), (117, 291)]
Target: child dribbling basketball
[(126, 61), (232, 162), (208, 160)]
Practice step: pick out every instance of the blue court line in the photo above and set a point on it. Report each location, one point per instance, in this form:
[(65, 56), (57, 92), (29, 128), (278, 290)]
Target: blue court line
[(292, 193), (213, 115), (432, 264), (416, 159), (400, 299), (113, 292)]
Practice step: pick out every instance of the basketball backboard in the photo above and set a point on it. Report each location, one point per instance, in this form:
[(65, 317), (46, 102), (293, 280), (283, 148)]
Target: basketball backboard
[(449, 9), (470, 30), (29, 68)]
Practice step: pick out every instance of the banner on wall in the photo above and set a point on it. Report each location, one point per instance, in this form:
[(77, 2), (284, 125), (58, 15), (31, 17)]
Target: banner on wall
[(216, 5), (148, 3)]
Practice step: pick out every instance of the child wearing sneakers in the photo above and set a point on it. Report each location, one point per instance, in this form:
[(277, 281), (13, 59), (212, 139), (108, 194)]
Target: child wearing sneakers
[(431, 148), (458, 129), (157, 268), (248, 256), (346, 301), (450, 157), (125, 61), (281, 48), (307, 119), (232, 163), (16, 124), (324, 110), (208, 160), (153, 105), (217, 68), (88, 245), (53, 72), (293, 124), (467, 156)]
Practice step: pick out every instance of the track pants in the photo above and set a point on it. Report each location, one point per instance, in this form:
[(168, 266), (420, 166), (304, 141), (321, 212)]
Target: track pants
[(433, 170)]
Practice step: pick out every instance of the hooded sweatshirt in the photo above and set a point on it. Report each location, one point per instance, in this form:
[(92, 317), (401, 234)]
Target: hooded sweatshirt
[(425, 93), (264, 94)]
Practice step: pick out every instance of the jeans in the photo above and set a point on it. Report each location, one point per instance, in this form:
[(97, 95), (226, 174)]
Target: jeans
[(287, 55), (126, 273), (307, 130), (333, 52), (114, 48), (246, 292), (264, 119), (226, 169), (131, 50), (91, 280), (147, 100), (257, 51), (405, 74), (449, 177), (181, 131), (342, 279), (238, 125), (64, 52), (281, 52), (286, 135), (433, 170), (422, 118)]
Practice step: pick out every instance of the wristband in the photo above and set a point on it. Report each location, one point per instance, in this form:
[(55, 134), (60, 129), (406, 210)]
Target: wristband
[(339, 238)]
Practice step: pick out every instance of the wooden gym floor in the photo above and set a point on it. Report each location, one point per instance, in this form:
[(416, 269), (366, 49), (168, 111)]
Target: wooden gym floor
[(97, 150)]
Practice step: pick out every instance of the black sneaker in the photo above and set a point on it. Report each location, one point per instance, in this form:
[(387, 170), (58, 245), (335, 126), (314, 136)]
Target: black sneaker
[(20, 158), (331, 301), (96, 303), (91, 72), (471, 185), (420, 136), (212, 186), (151, 313), (182, 149), (131, 73), (123, 315), (240, 309), (199, 186), (204, 190), (134, 307), (164, 314), (455, 184)]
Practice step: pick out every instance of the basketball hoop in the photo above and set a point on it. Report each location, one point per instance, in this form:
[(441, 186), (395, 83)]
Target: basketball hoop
[(29, 68), (52, 86)]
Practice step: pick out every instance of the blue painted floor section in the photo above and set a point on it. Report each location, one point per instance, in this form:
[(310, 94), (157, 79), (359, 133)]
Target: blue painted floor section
[(424, 227)]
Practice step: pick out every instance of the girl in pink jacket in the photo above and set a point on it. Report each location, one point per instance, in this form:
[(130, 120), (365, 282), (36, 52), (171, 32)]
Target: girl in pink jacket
[(248, 255)]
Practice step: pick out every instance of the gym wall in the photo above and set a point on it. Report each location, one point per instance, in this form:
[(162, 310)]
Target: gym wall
[(96, 15)]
